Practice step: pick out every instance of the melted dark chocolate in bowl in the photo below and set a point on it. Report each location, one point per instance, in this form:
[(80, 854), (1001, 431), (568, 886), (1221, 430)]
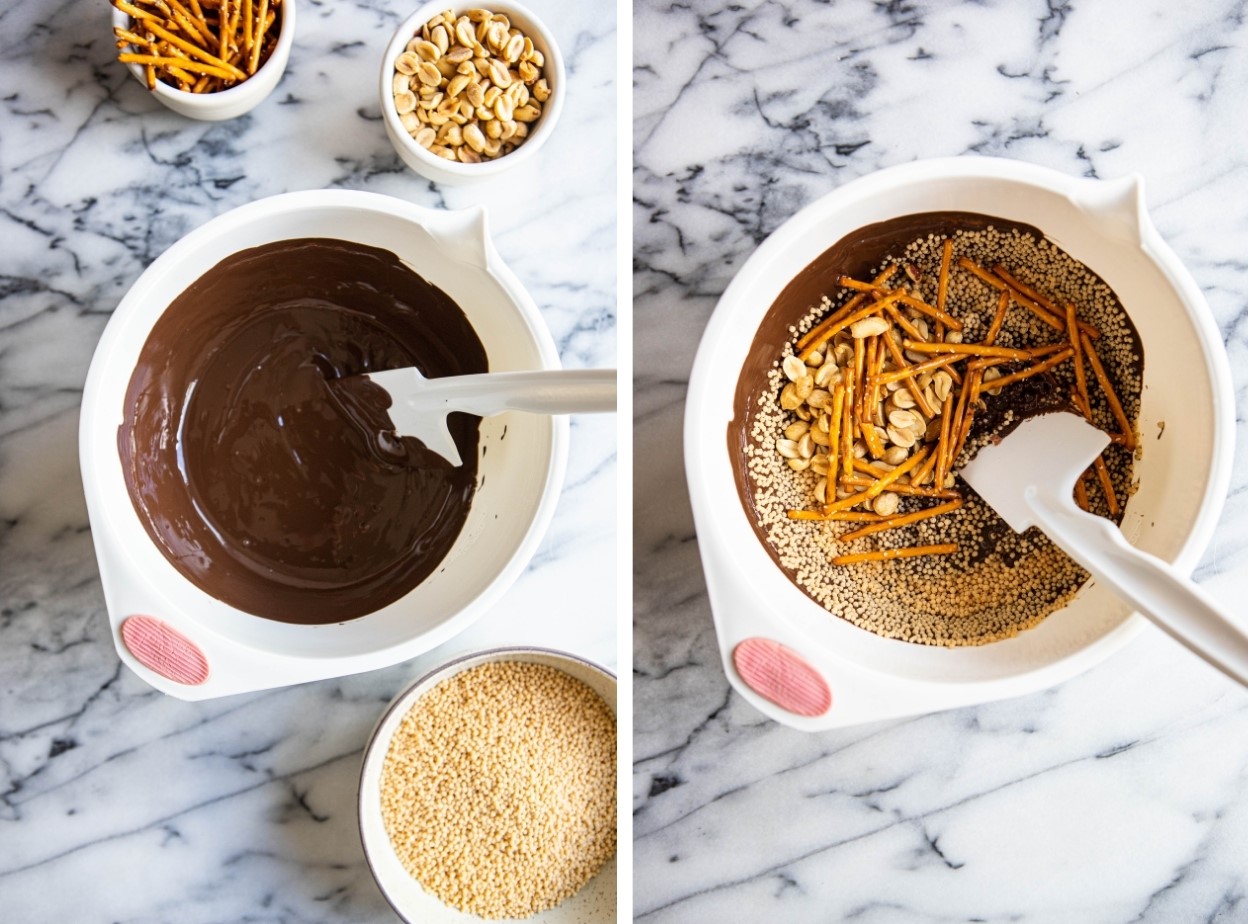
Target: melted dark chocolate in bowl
[(262, 479)]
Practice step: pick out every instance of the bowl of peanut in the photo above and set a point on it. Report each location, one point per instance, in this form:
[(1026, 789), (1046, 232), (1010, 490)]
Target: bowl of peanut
[(468, 93)]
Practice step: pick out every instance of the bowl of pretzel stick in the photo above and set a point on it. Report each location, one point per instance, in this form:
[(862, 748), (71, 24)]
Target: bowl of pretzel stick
[(205, 59)]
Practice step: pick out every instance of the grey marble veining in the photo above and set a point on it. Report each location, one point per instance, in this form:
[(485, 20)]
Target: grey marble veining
[(118, 804), (1118, 796)]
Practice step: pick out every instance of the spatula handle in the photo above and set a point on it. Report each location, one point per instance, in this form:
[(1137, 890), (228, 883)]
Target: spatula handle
[(1154, 588), (557, 391)]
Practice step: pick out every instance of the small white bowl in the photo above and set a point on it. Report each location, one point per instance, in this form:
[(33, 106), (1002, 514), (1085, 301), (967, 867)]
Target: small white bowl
[(237, 100), (450, 173), (593, 904)]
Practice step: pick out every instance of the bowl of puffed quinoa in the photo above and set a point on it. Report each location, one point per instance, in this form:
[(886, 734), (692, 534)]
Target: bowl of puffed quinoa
[(467, 93), (489, 790)]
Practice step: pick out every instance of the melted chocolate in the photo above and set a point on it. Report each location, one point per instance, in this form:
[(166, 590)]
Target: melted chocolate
[(262, 480)]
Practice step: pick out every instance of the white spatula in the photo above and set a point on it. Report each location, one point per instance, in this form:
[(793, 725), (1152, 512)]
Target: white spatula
[(1029, 478), (420, 405)]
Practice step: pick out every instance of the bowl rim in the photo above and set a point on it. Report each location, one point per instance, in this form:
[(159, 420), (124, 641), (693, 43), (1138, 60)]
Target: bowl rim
[(221, 98), (430, 679), (542, 129)]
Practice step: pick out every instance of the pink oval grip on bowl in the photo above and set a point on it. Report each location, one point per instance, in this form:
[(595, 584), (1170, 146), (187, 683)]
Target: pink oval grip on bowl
[(779, 674), (158, 646)]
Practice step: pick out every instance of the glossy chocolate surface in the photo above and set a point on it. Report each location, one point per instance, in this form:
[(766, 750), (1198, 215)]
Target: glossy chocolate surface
[(259, 476)]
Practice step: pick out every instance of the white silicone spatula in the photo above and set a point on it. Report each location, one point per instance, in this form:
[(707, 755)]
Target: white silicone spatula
[(420, 405), (1028, 479)]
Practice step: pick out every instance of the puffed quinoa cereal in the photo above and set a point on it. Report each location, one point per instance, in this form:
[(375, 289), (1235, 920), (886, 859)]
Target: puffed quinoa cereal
[(499, 787)]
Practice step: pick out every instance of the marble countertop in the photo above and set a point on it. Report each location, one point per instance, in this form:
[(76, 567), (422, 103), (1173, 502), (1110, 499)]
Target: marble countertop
[(119, 804), (1121, 795)]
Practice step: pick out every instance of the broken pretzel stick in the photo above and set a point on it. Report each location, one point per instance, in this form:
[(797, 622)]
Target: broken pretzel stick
[(966, 349), (1003, 304), (927, 365), (1102, 475), (1115, 405), (913, 551), (931, 311), (1039, 367), (883, 483), (853, 516), (900, 520)]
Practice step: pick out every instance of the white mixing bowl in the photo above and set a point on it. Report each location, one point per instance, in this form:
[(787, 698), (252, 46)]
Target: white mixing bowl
[(1183, 472), (204, 648)]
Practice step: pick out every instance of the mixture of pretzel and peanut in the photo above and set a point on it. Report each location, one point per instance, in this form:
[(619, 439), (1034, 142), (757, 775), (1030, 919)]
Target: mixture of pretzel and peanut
[(883, 392)]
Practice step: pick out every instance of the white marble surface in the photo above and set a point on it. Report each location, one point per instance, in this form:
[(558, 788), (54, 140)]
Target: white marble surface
[(118, 804), (1121, 795)]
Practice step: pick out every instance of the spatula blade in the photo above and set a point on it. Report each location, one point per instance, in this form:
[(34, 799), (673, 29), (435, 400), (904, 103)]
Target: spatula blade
[(1052, 450), (426, 421)]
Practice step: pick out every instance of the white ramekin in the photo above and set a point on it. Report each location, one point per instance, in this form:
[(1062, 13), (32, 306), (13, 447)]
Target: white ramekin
[(449, 173), (237, 100)]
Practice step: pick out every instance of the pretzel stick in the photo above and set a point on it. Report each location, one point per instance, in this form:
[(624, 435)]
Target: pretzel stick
[(1039, 367), (879, 487), (263, 19), (920, 475), (847, 429), (1041, 306), (955, 425), (974, 380), (845, 503), (860, 481), (1102, 475), (1003, 304), (817, 333), (927, 365), (903, 322), (860, 376), (855, 516), (1081, 376), (877, 366), (223, 21), (889, 554), (942, 285), (179, 14), (1023, 289), (246, 12), (931, 311), (834, 428), (173, 64), (943, 459), (915, 392), (1081, 493), (900, 520), (849, 282), (1114, 404), (966, 349)]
